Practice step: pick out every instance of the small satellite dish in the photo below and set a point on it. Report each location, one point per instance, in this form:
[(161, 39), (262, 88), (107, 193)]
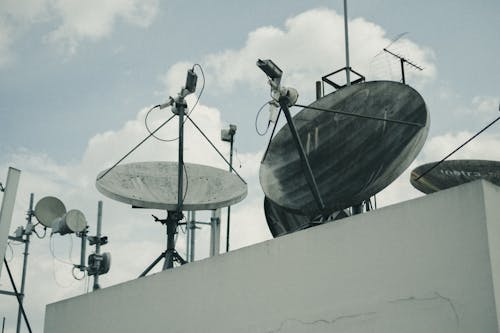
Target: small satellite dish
[(282, 222), (154, 185), (452, 173), (48, 209), (71, 222), (351, 158)]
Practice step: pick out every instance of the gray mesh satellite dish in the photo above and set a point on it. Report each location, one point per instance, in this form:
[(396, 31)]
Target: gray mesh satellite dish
[(351, 158), (71, 222), (452, 173), (48, 210), (282, 222), (154, 185)]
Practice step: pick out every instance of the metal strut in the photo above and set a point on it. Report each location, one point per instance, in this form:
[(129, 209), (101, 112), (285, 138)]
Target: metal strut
[(284, 102)]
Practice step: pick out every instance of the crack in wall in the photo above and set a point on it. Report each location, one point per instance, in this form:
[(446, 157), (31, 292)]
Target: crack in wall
[(437, 296), (318, 321)]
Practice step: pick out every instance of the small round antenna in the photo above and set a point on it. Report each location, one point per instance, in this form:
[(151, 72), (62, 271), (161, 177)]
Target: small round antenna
[(72, 222), (48, 210)]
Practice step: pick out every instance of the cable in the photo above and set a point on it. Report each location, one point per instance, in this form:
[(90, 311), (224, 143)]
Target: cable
[(257, 118), (76, 277), (51, 247), (189, 112), (217, 150), (36, 232), (457, 149), (402, 122), (137, 146), (237, 156), (11, 251), (271, 137)]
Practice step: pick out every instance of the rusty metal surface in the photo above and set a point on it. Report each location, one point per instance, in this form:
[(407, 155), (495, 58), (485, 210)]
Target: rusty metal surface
[(281, 222), (351, 158)]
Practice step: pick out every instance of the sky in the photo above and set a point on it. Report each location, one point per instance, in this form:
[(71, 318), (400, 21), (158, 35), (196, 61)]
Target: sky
[(77, 78)]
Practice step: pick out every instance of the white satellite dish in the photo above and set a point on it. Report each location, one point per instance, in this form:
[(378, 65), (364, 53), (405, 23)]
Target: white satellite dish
[(72, 221), (48, 210), (154, 185)]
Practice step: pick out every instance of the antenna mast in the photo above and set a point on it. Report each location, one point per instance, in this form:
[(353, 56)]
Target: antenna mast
[(403, 60), (346, 31)]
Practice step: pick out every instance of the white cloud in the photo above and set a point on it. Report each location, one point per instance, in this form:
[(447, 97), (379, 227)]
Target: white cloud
[(135, 240), (310, 45), (95, 19), (77, 20), (487, 105), (484, 147)]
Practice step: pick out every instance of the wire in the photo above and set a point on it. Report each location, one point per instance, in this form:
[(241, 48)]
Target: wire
[(457, 149), (257, 118), (137, 146), (11, 251), (51, 247), (36, 232), (237, 156), (76, 277), (271, 137), (217, 150), (189, 112)]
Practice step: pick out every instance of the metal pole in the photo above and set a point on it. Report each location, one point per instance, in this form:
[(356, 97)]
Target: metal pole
[(402, 69), (83, 249), (3, 325), (318, 90), (98, 244), (229, 207), (188, 236), (18, 296), (180, 109), (25, 263), (348, 66), (215, 233), (306, 167), (192, 233)]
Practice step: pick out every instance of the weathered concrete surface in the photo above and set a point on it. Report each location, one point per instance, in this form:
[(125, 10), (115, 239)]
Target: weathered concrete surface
[(453, 173), (426, 265), (154, 185), (351, 158)]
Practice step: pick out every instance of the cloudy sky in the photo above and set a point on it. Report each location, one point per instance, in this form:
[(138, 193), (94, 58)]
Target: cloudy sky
[(77, 77)]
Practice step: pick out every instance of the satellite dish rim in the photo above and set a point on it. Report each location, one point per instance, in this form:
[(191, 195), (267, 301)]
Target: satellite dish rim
[(48, 210), (172, 206), (271, 173), (427, 188)]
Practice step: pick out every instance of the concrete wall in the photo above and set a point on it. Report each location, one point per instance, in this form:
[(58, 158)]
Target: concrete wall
[(426, 265)]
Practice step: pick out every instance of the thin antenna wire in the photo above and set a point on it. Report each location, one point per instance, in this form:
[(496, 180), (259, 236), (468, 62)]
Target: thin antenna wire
[(402, 122), (217, 150), (271, 137), (457, 149), (137, 146)]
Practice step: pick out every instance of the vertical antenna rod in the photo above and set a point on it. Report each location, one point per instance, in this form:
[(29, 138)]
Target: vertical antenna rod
[(25, 260), (98, 244), (346, 30)]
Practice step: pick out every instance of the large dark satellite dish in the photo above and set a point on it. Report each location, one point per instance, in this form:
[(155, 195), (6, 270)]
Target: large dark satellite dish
[(282, 222), (154, 185), (453, 173), (351, 158)]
